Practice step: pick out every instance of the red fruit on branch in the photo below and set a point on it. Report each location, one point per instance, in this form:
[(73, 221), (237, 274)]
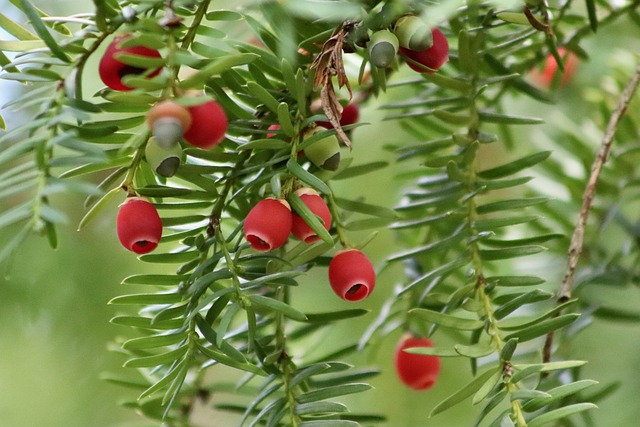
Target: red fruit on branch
[(545, 77), (208, 125), (112, 70), (417, 371), (318, 206), (351, 275), (433, 57), (138, 225), (268, 224), (350, 116)]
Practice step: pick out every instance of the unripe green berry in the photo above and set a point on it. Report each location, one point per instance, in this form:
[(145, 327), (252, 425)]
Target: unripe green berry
[(167, 132), (168, 121), (164, 161), (324, 153), (383, 47), (413, 33)]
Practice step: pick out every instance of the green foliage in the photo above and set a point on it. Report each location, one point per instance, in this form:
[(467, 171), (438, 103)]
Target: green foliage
[(467, 223)]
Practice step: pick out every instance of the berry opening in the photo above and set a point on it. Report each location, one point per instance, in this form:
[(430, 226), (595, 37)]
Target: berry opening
[(356, 292), (425, 383), (257, 243), (312, 238), (143, 246)]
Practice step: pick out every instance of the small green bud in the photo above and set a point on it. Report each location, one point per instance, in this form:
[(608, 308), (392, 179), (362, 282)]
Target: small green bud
[(413, 33), (164, 161), (324, 153), (383, 47)]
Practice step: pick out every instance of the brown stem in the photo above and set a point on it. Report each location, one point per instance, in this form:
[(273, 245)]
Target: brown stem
[(575, 247)]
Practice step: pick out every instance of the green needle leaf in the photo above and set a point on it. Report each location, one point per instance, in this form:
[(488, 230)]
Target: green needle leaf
[(284, 118), (544, 327), (307, 177), (464, 392), (216, 67), (515, 166), (557, 393), (446, 320), (15, 29), (593, 16), (332, 316), (334, 391), (365, 208), (557, 414), (263, 96), (153, 341), (42, 31), (329, 423), (279, 306), (157, 360)]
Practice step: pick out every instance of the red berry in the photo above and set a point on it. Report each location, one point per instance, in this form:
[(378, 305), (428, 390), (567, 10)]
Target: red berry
[(138, 225), (351, 275), (268, 224), (417, 371), (112, 71), (208, 125), (546, 76), (433, 57), (317, 205), (272, 127), (350, 116)]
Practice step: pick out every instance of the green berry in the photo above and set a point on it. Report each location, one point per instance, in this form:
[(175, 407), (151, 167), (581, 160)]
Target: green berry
[(164, 161), (383, 47), (413, 33), (324, 153)]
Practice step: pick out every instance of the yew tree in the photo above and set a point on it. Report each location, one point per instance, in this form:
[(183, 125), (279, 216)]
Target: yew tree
[(314, 186)]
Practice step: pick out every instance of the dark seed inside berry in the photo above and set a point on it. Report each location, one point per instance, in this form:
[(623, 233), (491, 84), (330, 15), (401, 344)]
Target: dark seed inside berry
[(168, 167), (354, 289), (332, 162), (130, 69)]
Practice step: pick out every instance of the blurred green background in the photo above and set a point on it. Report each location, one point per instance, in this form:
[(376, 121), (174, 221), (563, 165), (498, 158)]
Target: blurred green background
[(54, 317)]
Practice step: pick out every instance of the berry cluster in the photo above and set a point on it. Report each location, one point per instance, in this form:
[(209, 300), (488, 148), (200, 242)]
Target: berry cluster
[(201, 122), (203, 126), (270, 223), (424, 49)]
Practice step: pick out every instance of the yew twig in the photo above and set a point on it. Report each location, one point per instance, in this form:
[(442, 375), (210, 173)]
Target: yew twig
[(577, 239)]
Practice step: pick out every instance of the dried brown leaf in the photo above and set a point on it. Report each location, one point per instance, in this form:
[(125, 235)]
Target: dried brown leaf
[(328, 64)]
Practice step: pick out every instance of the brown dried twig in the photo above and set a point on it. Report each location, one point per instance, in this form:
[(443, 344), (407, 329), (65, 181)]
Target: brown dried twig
[(575, 247), (328, 64)]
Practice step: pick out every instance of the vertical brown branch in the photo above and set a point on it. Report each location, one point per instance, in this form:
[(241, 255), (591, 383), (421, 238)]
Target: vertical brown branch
[(575, 247)]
